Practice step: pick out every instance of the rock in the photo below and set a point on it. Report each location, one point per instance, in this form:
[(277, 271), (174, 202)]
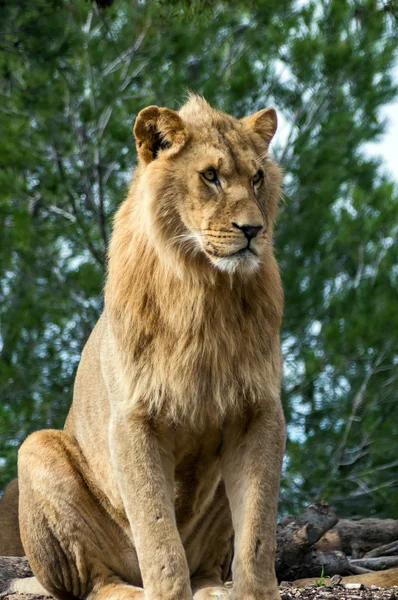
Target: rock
[(12, 567)]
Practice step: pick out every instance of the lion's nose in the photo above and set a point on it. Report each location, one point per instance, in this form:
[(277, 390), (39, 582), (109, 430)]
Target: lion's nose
[(250, 231)]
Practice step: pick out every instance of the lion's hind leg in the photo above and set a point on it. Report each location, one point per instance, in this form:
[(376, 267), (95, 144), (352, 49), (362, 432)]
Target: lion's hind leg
[(116, 590), (74, 547), (209, 589)]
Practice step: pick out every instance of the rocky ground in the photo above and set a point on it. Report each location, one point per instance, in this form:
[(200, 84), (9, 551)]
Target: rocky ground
[(287, 593), (331, 589), (337, 592), (10, 568)]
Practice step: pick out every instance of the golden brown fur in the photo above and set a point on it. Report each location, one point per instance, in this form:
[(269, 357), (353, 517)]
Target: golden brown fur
[(176, 433)]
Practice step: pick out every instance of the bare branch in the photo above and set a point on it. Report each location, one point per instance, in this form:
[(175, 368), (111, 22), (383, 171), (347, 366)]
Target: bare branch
[(367, 490), (360, 266), (356, 404), (376, 564), (99, 258), (384, 550), (63, 213), (101, 207)]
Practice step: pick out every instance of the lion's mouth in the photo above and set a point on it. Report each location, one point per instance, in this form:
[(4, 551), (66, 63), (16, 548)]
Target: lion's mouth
[(245, 251)]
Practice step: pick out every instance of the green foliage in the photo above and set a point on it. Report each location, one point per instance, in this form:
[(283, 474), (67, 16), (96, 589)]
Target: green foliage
[(322, 580), (74, 78)]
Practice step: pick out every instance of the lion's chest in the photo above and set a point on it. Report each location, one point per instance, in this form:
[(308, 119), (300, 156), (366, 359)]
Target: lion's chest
[(197, 476)]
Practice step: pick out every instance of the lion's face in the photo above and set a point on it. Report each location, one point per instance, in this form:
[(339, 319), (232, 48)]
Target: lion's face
[(211, 188), (225, 208)]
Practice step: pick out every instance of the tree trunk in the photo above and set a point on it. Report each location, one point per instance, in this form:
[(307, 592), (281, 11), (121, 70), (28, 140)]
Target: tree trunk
[(356, 538), (295, 555)]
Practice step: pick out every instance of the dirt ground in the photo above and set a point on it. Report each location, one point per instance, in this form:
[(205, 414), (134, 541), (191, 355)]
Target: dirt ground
[(18, 567), (337, 592), (287, 593)]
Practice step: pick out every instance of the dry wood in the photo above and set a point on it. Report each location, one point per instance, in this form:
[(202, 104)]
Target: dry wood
[(295, 555), (376, 564), (314, 563), (355, 570), (317, 518), (384, 550), (356, 538)]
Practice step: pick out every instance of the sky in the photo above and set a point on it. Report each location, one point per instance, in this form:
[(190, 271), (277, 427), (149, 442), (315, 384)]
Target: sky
[(387, 146)]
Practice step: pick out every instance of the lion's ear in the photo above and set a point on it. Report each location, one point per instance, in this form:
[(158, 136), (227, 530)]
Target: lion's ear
[(157, 129), (264, 122)]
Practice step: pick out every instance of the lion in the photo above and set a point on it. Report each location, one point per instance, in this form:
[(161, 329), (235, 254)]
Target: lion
[(171, 453)]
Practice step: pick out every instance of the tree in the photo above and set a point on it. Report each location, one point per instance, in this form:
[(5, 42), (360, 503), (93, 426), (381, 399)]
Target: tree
[(75, 76)]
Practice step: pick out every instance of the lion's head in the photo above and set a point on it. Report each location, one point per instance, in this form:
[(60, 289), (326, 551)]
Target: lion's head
[(208, 188)]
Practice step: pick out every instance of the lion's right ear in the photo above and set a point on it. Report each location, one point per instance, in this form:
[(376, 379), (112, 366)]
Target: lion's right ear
[(264, 122), (158, 129)]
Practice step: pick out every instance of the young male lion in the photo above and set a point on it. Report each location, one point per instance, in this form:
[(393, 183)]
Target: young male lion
[(175, 437)]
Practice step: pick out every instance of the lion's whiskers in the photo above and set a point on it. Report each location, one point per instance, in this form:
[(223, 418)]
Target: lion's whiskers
[(260, 157), (186, 241)]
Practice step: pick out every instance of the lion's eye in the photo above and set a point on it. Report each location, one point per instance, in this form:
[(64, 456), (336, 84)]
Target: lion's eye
[(257, 179), (210, 175)]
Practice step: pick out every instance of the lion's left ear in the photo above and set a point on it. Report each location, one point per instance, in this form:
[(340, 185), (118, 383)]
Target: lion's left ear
[(264, 122), (158, 129)]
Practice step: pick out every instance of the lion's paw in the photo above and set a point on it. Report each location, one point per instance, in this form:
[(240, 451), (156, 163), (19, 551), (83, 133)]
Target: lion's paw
[(212, 593)]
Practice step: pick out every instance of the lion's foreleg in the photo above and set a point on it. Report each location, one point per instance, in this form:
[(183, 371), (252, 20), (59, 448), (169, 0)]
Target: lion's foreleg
[(144, 465), (251, 463)]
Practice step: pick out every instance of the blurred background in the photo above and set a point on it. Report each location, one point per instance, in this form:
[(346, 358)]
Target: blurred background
[(75, 73)]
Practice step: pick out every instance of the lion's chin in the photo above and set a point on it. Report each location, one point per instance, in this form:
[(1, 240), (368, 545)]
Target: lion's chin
[(243, 262)]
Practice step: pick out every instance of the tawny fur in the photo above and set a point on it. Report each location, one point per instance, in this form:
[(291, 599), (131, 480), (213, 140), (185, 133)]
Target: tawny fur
[(176, 433), (209, 334)]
